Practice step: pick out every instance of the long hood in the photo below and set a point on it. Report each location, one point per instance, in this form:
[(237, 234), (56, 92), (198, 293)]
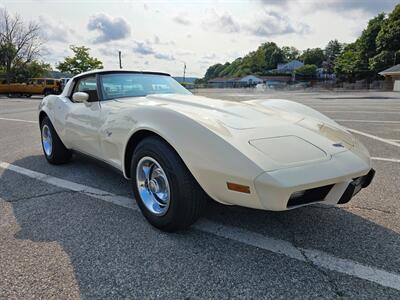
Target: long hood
[(268, 125)]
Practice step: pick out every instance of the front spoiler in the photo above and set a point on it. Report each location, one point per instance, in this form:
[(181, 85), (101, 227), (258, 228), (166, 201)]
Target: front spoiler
[(355, 186)]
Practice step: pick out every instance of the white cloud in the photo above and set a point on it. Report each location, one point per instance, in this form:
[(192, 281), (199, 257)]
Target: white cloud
[(271, 23), (221, 22), (145, 48), (52, 30), (182, 19), (369, 6), (109, 28), (164, 56)]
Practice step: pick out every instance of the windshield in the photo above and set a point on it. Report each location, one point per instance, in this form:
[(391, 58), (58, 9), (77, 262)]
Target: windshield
[(118, 85)]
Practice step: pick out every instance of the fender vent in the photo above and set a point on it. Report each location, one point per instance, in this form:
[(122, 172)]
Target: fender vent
[(309, 196)]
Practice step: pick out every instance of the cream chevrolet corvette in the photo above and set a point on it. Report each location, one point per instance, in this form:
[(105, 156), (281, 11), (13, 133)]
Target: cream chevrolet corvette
[(179, 149)]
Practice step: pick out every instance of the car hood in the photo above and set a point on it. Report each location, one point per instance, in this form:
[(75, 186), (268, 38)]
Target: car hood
[(252, 121)]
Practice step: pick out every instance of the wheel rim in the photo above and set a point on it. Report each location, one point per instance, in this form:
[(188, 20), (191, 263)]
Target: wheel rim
[(153, 185), (47, 141)]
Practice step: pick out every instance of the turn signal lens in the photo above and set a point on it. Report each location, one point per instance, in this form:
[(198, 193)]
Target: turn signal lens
[(238, 187)]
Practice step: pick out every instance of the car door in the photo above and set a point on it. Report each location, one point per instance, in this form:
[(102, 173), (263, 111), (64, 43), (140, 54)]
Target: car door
[(83, 120)]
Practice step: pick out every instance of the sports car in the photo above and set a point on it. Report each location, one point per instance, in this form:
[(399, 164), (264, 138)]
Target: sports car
[(179, 149)]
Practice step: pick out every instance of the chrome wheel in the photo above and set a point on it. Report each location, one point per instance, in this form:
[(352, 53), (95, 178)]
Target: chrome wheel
[(47, 140), (153, 186)]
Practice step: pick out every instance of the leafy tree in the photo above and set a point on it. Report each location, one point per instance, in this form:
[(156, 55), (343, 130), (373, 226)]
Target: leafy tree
[(367, 41), (290, 53), (307, 71), (31, 70), (389, 36), (348, 64), (314, 56), (382, 60), (80, 62), (273, 55), (19, 42), (332, 51)]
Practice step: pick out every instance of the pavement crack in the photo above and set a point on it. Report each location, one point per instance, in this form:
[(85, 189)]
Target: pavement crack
[(39, 196), (371, 209), (350, 207), (334, 287)]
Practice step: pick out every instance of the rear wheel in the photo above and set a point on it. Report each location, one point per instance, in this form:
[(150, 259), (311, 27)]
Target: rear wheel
[(166, 192), (53, 148)]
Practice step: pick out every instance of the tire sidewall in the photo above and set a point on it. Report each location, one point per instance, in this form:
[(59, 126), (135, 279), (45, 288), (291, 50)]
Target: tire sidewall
[(46, 121), (161, 155)]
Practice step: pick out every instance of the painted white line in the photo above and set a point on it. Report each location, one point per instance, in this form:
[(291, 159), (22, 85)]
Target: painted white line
[(368, 121), (19, 120), (374, 137), (69, 185), (237, 234), (395, 160), (359, 111)]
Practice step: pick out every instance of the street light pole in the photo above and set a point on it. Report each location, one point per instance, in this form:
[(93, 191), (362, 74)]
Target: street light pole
[(120, 62), (184, 72)]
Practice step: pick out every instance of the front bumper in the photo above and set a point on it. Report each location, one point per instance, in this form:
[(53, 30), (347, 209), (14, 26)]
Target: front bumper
[(356, 185), (334, 181)]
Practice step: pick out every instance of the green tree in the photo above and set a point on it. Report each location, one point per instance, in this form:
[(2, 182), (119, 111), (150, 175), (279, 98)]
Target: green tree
[(387, 43), (80, 62), (389, 35), (332, 51), (314, 56), (290, 53), (349, 63), (31, 70), (307, 71), (19, 42)]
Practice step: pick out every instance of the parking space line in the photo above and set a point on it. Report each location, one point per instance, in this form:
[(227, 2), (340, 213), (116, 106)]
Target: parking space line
[(368, 121), (316, 257), (358, 111), (18, 120), (386, 159), (374, 137)]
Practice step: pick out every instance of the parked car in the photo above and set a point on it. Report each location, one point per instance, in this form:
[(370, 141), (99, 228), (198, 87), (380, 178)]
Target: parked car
[(34, 86), (179, 149)]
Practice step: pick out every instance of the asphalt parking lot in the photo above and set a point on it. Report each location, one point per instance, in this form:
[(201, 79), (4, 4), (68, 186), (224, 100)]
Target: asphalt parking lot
[(73, 231)]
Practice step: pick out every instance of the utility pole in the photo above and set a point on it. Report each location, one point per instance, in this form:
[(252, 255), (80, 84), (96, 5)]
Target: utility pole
[(120, 63), (184, 72)]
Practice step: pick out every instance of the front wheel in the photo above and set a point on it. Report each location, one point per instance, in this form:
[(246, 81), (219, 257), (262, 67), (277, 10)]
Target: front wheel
[(53, 148), (166, 192)]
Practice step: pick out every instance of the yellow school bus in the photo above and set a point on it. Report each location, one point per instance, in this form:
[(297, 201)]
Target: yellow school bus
[(34, 86)]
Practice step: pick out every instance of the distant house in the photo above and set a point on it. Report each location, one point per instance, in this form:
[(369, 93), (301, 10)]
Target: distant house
[(290, 66), (392, 78), (251, 80), (248, 81)]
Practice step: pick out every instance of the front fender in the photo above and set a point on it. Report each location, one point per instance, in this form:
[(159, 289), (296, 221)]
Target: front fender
[(207, 152)]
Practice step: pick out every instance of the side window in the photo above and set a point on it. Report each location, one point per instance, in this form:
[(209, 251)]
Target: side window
[(40, 81), (89, 86), (49, 82)]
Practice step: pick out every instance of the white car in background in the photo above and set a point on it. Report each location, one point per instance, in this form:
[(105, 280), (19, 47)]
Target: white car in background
[(178, 149)]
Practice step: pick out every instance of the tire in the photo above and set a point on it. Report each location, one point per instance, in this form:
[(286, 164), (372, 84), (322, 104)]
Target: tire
[(53, 148), (186, 201)]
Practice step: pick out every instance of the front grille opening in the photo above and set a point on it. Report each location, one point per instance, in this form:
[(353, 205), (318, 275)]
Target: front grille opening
[(309, 196)]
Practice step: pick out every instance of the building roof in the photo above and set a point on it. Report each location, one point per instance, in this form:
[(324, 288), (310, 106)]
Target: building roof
[(392, 70), (292, 65)]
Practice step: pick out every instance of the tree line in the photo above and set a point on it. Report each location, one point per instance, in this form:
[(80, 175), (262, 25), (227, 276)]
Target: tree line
[(376, 49)]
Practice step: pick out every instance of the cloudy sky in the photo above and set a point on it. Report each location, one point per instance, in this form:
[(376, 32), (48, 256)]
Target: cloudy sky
[(162, 35)]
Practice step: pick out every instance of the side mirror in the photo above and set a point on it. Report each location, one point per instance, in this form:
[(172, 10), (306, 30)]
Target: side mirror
[(80, 97)]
